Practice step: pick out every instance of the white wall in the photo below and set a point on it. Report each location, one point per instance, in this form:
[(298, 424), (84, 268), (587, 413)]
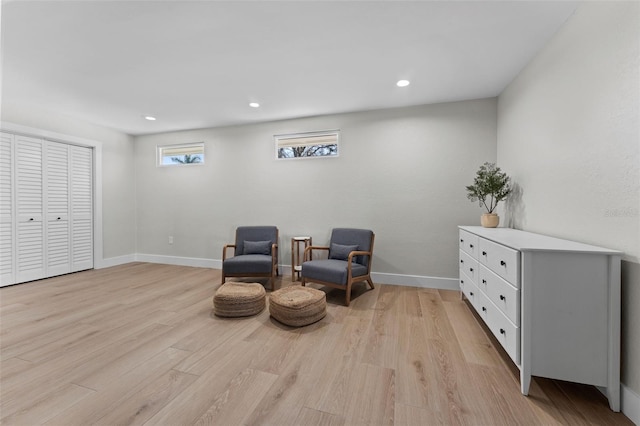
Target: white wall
[(118, 202), (401, 172), (568, 134)]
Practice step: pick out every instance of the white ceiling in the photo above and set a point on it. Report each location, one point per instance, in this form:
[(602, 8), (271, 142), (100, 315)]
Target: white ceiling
[(196, 64)]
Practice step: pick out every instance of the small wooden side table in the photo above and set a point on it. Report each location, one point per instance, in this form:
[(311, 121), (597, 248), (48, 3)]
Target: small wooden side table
[(298, 243)]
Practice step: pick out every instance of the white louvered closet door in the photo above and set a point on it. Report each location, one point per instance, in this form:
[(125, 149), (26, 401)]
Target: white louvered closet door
[(81, 177), (57, 208), (7, 234), (30, 253)]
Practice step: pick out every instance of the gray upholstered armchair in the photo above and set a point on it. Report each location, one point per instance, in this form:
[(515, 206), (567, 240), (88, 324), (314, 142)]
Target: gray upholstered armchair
[(255, 254), (348, 261)]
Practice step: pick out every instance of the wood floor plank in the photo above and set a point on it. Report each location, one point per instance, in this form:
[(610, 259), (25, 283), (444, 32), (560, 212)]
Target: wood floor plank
[(128, 359), (13, 366), (308, 416), (330, 391), (139, 344), (46, 378), (478, 348), (117, 391), (298, 380), (409, 415), (145, 403), (194, 401), (239, 399), (416, 383), (443, 368), (202, 359), (436, 319), (370, 396), (41, 410), (591, 403), (43, 345)]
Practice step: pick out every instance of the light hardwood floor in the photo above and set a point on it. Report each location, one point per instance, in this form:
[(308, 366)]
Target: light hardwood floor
[(138, 344)]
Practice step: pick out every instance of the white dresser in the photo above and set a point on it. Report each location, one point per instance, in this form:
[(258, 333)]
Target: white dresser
[(553, 304)]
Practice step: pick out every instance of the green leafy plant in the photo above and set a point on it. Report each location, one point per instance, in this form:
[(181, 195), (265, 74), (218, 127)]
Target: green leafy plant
[(490, 186), (186, 159)]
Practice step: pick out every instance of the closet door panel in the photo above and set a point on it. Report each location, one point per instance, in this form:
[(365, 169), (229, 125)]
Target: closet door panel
[(57, 190), (7, 225), (81, 208), (30, 255), (46, 208)]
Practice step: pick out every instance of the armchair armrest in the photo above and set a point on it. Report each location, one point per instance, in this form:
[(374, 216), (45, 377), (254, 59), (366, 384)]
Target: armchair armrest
[(224, 250), (308, 252), (357, 253)]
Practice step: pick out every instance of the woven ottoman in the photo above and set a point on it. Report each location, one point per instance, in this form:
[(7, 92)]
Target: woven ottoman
[(239, 299), (297, 306)]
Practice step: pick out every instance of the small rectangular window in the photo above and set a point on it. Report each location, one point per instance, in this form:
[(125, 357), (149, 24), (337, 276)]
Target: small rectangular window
[(308, 145), (181, 155)]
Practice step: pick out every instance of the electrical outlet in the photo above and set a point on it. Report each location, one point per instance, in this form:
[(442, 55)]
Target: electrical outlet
[(170, 239)]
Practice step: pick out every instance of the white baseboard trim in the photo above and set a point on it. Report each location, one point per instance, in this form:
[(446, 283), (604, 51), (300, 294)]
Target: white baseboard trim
[(115, 261), (630, 404), (400, 279), (182, 261), (416, 281)]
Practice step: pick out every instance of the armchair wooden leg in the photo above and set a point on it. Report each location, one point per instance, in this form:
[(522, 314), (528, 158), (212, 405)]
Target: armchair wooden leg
[(370, 282), (303, 282)]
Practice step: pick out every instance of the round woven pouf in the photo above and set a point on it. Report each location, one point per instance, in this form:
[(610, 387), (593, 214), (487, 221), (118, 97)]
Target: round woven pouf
[(297, 306), (239, 299)]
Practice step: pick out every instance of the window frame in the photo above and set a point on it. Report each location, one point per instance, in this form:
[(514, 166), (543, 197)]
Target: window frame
[(318, 135), (186, 146)]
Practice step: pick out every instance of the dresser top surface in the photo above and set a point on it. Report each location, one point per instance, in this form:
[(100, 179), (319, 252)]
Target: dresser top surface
[(529, 241)]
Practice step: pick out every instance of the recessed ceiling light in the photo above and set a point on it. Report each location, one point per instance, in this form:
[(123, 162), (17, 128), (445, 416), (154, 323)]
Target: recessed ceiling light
[(254, 105), (402, 83), (149, 117)]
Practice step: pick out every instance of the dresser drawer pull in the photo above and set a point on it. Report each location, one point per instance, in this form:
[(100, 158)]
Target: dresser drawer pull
[(484, 309), (484, 253), (470, 269), (31, 219), (461, 240), (471, 245), (502, 331), (470, 293), (502, 297), (484, 281), (503, 263), (461, 261)]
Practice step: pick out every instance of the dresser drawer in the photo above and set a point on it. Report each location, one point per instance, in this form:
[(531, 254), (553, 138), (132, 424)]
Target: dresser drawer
[(500, 259), (469, 266), (470, 291), (469, 243), (502, 294), (505, 332)]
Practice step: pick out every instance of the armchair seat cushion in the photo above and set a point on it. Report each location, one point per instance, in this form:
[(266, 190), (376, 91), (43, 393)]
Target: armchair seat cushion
[(247, 264), (331, 270)]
